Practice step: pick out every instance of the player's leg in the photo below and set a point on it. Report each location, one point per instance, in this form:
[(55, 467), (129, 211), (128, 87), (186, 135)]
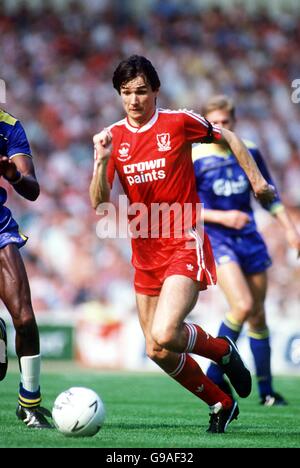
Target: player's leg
[(177, 298), (260, 341), (146, 306), (3, 349), (15, 293), (234, 285), (184, 369)]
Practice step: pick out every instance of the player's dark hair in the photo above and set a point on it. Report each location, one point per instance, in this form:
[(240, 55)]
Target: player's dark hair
[(134, 66), (219, 102)]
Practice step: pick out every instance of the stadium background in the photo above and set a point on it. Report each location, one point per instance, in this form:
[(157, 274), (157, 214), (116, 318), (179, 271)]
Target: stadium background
[(57, 59)]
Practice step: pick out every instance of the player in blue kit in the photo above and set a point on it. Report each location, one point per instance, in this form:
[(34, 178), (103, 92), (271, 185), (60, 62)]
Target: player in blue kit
[(17, 168), (240, 252)]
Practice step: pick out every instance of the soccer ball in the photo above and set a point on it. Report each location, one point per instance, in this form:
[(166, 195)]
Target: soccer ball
[(78, 412)]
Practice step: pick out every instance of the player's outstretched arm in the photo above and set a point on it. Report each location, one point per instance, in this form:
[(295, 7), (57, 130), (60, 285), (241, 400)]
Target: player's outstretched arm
[(99, 186), (19, 172), (262, 190), (230, 218)]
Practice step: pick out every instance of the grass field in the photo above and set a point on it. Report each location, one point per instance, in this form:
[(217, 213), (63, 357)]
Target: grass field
[(151, 410)]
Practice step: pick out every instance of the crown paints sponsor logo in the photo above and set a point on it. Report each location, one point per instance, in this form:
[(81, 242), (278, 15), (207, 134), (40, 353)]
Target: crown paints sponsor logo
[(144, 166), (145, 171), (124, 152)]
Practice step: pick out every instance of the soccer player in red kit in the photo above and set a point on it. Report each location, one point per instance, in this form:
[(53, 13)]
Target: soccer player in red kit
[(150, 150)]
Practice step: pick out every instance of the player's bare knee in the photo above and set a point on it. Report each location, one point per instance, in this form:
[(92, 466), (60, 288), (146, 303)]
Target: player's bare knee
[(154, 352), (20, 304), (244, 308), (25, 323), (164, 338)]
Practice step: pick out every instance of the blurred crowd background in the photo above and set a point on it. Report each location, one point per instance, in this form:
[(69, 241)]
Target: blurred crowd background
[(57, 63)]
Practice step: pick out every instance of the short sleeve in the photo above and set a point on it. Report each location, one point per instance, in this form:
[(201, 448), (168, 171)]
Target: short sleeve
[(17, 141), (198, 129)]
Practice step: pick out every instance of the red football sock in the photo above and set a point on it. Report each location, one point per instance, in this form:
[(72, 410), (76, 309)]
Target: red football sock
[(201, 343), (190, 375)]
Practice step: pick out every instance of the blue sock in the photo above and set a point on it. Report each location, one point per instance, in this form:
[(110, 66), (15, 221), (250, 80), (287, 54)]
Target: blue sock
[(232, 329), (261, 350)]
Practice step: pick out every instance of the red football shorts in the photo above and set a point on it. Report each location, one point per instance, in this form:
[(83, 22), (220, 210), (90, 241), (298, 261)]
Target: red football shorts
[(156, 259)]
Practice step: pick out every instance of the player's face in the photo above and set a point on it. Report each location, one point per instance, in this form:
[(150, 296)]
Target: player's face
[(221, 118), (139, 101)]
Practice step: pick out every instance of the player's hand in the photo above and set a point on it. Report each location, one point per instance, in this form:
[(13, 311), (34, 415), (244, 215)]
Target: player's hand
[(235, 219), (102, 145), (265, 193), (8, 169)]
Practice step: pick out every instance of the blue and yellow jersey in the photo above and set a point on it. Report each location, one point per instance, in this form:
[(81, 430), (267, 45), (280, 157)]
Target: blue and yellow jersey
[(223, 185), (13, 141)]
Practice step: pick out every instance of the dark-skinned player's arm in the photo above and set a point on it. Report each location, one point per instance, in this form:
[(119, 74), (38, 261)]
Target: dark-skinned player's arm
[(19, 171)]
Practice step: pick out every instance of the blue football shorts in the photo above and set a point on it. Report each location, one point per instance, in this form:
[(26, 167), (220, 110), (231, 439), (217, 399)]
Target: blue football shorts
[(248, 250), (10, 234)]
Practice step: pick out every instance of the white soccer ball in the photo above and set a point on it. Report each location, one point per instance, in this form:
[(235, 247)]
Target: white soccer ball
[(78, 412)]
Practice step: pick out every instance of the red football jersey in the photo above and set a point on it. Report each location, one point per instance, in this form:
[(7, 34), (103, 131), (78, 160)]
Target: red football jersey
[(154, 161)]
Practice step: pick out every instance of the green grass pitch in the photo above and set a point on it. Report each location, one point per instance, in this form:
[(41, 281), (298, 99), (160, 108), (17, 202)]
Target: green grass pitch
[(151, 410)]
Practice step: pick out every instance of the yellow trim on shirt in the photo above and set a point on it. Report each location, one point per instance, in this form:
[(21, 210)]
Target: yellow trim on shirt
[(7, 118), (25, 238), (20, 154), (276, 208)]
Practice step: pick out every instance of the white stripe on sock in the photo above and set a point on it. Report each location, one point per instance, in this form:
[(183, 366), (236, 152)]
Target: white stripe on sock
[(192, 337), (179, 367)]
